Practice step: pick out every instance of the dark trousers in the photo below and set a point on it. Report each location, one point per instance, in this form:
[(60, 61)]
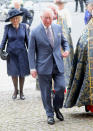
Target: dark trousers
[(81, 5), (45, 82)]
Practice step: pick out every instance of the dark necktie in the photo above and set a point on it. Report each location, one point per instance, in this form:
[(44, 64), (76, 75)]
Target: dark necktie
[(50, 36)]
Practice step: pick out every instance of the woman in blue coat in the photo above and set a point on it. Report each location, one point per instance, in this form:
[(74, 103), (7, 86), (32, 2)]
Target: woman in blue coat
[(15, 39)]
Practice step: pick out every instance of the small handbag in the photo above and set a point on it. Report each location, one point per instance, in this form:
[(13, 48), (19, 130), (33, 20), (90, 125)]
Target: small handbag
[(4, 55)]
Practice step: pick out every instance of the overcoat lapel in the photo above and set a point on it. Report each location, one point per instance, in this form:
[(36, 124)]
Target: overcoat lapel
[(44, 35), (55, 34)]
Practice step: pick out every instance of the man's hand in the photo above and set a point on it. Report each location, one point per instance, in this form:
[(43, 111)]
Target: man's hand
[(33, 73), (65, 54)]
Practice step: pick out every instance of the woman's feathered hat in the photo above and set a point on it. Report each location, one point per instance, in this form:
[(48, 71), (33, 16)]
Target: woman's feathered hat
[(12, 13)]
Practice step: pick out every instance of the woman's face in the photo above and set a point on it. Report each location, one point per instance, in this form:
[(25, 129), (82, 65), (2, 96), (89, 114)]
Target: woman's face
[(15, 20)]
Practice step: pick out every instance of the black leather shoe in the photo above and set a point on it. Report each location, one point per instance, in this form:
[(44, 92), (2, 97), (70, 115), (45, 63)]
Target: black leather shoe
[(15, 95), (50, 120), (59, 114), (22, 96)]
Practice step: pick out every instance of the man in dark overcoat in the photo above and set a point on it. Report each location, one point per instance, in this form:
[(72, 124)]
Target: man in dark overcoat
[(27, 17)]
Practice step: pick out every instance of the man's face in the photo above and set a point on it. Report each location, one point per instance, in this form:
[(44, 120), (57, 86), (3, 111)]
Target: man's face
[(47, 19), (54, 13), (90, 7), (60, 5), (17, 5)]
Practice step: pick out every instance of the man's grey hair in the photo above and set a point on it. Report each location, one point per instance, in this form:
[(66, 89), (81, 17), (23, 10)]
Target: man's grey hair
[(17, 1), (90, 4), (46, 10)]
